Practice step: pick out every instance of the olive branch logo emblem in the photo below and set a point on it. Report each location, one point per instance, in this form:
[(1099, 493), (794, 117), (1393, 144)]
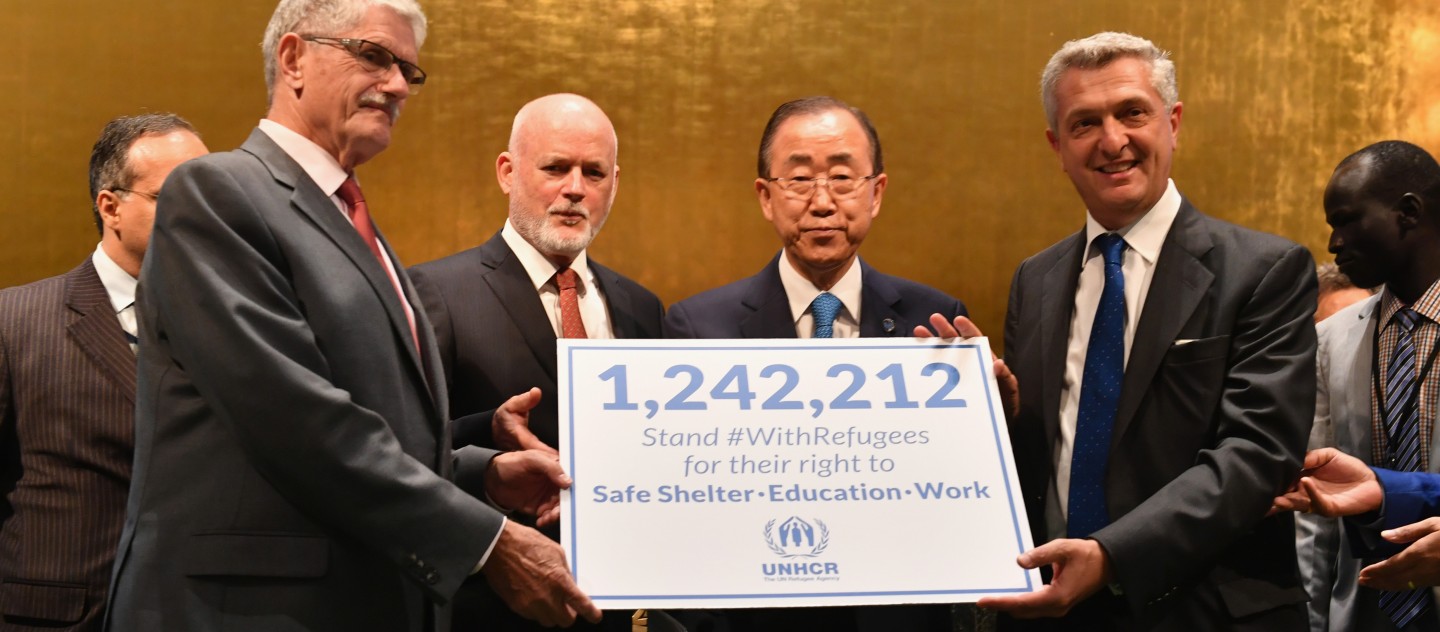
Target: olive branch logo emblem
[(797, 538)]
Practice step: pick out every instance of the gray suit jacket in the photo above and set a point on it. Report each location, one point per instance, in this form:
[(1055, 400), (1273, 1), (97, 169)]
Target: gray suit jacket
[(1214, 410), (67, 410), (292, 463), (1342, 420)]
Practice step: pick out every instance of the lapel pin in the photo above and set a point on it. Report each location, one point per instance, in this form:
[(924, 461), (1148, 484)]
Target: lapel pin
[(889, 325)]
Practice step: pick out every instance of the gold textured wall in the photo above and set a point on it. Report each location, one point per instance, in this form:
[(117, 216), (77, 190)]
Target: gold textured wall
[(1275, 92)]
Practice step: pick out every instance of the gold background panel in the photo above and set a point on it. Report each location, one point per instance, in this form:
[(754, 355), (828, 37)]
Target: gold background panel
[(1275, 94)]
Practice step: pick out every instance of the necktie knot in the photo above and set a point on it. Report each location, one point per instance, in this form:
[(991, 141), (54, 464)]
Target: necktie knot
[(1407, 319), (824, 309), (1111, 246), (566, 279), (349, 193), (572, 324)]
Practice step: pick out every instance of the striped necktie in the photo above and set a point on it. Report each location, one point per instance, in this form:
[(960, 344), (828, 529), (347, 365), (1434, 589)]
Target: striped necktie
[(1402, 424)]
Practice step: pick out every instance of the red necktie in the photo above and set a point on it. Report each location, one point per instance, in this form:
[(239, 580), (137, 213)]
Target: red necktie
[(360, 216), (570, 324)]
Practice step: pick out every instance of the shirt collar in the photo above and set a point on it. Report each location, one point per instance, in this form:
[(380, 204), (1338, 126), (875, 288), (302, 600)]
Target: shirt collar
[(119, 285), (1428, 305), (540, 268), (802, 292), (323, 168), (1146, 235)]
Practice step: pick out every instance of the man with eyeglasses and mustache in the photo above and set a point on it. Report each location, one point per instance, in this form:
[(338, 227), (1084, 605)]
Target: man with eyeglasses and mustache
[(821, 180), (293, 466), (498, 308)]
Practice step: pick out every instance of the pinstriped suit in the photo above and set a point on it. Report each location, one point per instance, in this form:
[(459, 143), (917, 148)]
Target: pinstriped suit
[(67, 409)]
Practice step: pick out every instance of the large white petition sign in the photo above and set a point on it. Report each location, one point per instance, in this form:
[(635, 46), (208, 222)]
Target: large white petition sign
[(747, 473)]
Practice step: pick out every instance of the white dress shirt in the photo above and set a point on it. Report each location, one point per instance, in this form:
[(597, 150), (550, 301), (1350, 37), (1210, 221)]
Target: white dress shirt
[(1143, 239), (593, 310), (802, 293), (120, 287)]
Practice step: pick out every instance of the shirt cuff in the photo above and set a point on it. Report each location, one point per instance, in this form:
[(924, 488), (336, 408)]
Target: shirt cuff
[(490, 548)]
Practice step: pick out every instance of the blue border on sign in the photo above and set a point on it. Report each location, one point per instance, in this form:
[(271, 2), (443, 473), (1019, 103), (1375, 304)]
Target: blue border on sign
[(985, 371)]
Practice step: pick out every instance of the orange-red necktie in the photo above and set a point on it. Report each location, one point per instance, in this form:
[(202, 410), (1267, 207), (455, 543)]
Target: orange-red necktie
[(360, 216), (570, 324)]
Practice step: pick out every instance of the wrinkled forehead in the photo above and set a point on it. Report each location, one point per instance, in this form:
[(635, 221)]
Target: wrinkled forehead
[(828, 138), (569, 137)]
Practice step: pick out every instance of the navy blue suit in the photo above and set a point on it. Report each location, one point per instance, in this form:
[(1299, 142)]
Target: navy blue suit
[(757, 307)]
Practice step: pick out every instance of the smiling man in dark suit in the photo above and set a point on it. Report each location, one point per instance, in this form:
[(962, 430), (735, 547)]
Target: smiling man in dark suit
[(498, 308), (67, 392), (293, 467), (1166, 364), (820, 182)]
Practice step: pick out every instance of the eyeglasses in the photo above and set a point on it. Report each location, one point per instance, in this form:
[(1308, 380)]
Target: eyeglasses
[(840, 186), (153, 196), (374, 57)]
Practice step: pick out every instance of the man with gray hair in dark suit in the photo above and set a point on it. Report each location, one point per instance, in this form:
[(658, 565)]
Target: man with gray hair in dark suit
[(293, 466)]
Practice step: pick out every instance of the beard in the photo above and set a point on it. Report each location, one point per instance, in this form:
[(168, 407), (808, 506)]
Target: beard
[(537, 230)]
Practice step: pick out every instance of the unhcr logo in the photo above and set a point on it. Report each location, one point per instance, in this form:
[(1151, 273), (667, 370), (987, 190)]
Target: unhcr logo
[(793, 538), (797, 538)]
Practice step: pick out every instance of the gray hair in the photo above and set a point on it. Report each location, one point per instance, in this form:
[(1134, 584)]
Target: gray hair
[(110, 157), (1097, 51), (327, 18)]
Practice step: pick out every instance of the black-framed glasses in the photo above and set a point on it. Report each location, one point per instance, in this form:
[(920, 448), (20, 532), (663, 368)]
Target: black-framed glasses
[(840, 186), (153, 196), (374, 57)]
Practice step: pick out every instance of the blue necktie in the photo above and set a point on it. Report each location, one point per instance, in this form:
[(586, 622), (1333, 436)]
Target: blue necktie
[(1402, 424), (825, 308), (1099, 396)]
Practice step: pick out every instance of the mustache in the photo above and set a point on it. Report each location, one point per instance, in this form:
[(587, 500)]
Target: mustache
[(384, 101), (570, 207)]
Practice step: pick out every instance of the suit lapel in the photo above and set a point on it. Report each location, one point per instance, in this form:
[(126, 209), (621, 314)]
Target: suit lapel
[(771, 307), (1352, 358), (617, 302), (877, 304), (1057, 308), (1179, 283), (508, 280), (307, 198), (96, 330)]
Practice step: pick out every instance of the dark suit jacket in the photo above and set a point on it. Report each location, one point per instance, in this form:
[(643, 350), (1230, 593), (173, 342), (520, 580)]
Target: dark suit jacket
[(495, 342), (292, 455), (67, 410), (757, 307), (1214, 411), (495, 339)]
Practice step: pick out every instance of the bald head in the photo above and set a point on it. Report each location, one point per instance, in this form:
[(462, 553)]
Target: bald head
[(561, 174), (548, 114)]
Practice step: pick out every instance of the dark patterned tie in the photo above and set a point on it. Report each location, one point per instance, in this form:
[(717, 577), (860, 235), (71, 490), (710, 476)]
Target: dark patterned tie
[(825, 308), (1099, 396), (571, 326), (1402, 424)]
